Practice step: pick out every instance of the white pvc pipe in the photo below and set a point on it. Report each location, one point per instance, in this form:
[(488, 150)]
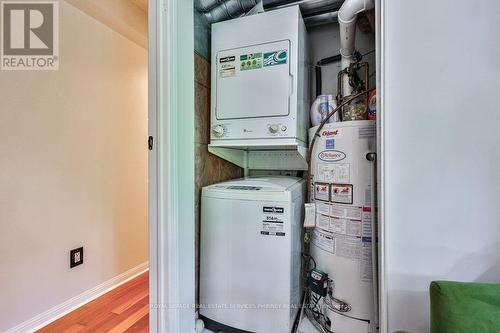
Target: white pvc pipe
[(347, 21)]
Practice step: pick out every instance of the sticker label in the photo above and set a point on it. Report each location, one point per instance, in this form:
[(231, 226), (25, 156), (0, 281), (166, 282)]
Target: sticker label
[(331, 155), (334, 173), (341, 193), (323, 222), (227, 59), (324, 240), (368, 196), (367, 225), (350, 212), (330, 143), (322, 191), (272, 221), (345, 227), (227, 66), (366, 263), (348, 247), (272, 209), (275, 58), (250, 61), (323, 208)]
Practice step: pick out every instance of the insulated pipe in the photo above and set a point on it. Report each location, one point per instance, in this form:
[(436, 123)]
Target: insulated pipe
[(347, 21)]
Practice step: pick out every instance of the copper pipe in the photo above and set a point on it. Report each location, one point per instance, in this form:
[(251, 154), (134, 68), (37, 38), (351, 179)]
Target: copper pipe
[(350, 71)]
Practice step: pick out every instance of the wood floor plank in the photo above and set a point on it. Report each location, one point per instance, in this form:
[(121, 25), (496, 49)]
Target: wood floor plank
[(140, 326), (125, 308), (107, 325), (130, 321), (129, 302), (76, 328), (107, 304)]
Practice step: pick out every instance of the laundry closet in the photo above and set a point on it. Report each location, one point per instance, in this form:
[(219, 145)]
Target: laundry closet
[(286, 166)]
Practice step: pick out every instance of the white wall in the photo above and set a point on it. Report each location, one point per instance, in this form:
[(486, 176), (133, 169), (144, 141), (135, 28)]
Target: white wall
[(73, 169), (441, 150)]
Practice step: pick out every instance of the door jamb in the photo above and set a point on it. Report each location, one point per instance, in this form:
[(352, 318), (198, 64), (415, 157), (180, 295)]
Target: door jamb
[(171, 166)]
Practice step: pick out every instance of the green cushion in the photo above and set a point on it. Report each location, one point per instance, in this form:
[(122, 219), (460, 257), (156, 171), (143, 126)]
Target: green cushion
[(458, 307)]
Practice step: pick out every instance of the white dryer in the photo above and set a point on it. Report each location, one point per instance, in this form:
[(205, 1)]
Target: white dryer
[(250, 254)]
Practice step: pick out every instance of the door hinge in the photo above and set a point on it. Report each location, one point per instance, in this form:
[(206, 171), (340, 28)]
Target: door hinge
[(150, 143)]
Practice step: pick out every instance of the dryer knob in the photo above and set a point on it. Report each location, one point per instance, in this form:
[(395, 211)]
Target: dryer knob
[(218, 131), (273, 129)]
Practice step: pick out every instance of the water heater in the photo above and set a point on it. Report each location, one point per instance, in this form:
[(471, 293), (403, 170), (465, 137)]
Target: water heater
[(260, 86), (341, 244)]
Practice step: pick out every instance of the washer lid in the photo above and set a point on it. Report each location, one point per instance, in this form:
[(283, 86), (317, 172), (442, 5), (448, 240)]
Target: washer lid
[(261, 184)]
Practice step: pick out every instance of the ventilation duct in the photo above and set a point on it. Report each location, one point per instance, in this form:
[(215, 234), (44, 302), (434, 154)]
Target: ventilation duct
[(307, 7), (220, 10)]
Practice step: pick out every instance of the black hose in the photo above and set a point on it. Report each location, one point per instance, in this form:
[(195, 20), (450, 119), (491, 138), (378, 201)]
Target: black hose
[(318, 80), (322, 62), (329, 60)]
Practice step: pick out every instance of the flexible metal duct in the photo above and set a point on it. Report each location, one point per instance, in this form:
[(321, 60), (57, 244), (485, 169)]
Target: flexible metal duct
[(307, 7), (206, 5), (220, 10)]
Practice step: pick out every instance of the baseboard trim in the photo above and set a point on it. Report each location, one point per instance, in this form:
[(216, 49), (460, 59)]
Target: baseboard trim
[(45, 318)]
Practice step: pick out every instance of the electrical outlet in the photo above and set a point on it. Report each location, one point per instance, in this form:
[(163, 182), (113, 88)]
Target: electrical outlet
[(76, 257)]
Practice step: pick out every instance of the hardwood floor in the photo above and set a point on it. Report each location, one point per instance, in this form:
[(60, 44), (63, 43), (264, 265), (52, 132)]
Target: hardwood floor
[(123, 309)]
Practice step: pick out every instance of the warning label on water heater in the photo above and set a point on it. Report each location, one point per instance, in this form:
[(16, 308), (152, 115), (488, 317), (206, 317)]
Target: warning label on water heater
[(341, 193), (334, 172), (322, 191), (324, 240)]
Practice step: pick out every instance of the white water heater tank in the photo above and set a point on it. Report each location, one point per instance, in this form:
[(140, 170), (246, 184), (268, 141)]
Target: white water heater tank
[(342, 239)]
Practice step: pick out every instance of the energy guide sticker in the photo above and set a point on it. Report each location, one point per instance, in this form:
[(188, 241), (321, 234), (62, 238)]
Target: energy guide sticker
[(250, 61), (272, 221), (227, 66)]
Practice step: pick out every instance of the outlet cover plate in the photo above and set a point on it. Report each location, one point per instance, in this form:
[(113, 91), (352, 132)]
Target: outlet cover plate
[(76, 257)]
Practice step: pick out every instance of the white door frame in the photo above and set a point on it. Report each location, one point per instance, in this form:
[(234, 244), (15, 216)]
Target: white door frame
[(381, 92), (171, 166)]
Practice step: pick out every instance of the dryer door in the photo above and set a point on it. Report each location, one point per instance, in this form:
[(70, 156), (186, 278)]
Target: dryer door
[(254, 81)]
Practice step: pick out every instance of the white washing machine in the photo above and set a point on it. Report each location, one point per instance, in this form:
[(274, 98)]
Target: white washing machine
[(250, 254)]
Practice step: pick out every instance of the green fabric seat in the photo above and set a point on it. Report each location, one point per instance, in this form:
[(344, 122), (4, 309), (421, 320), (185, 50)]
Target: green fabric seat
[(458, 307)]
